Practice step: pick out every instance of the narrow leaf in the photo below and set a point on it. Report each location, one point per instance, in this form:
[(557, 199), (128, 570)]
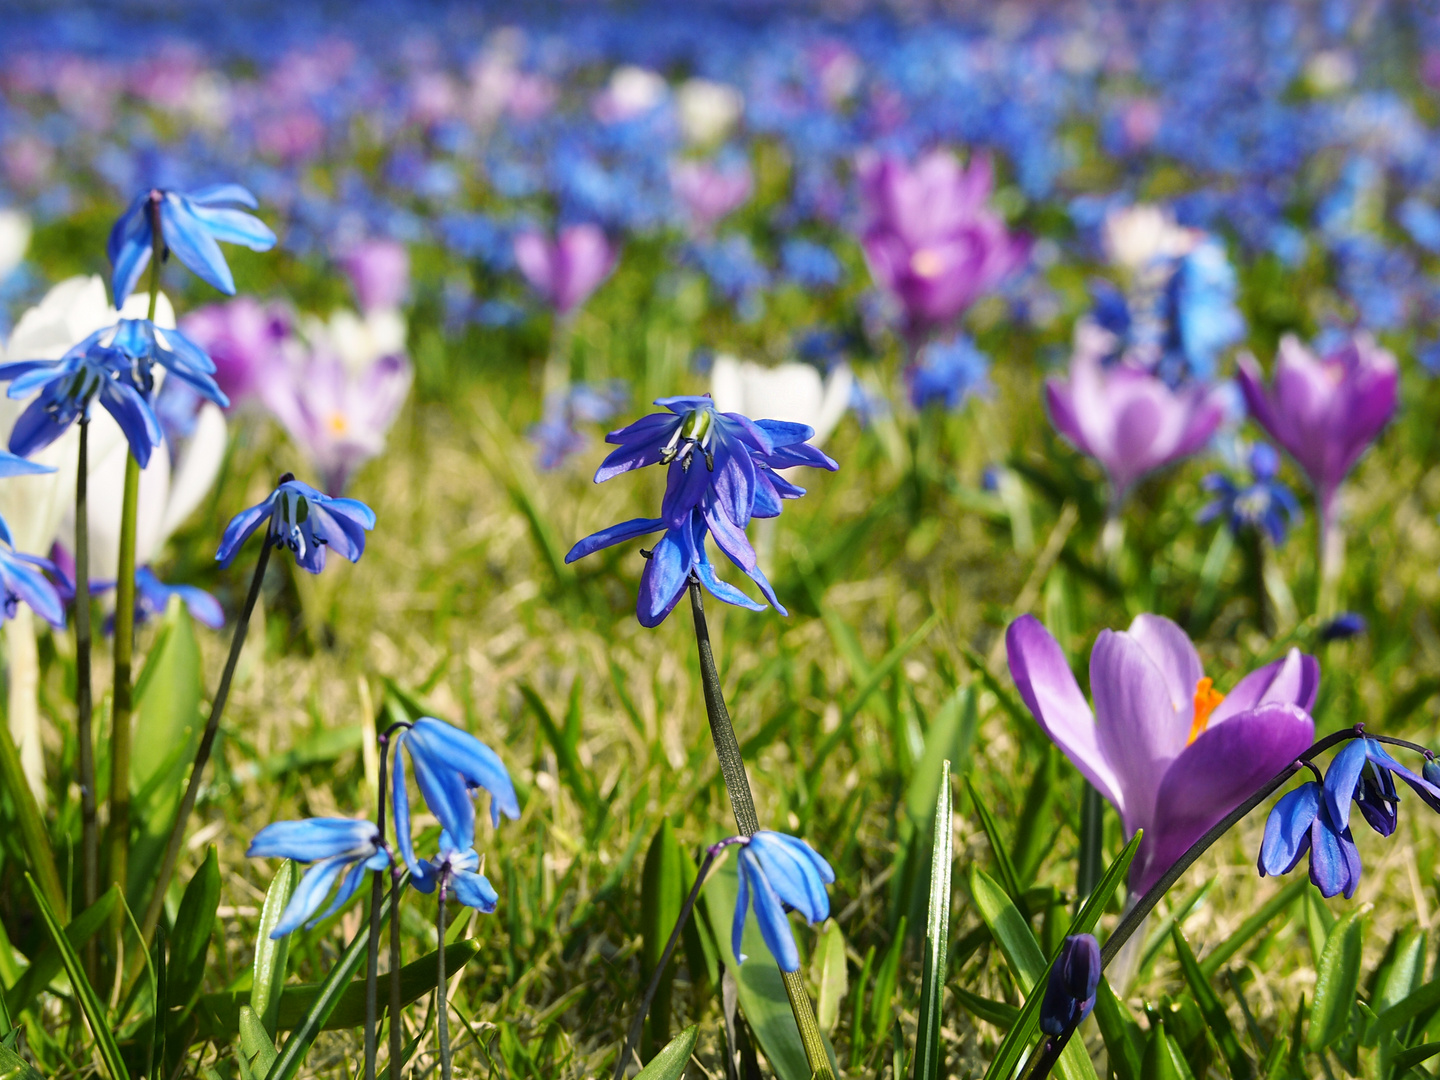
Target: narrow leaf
[(14, 1067), (1336, 980), (1406, 1009), (84, 994), (928, 1055), (190, 940), (1217, 956), (48, 961), (272, 955), (669, 1063), (1120, 1032), (256, 1044), (1004, 868), (1408, 1059), (1008, 928), (1240, 1065), (1000, 1013), (831, 975), (882, 997), (662, 892)]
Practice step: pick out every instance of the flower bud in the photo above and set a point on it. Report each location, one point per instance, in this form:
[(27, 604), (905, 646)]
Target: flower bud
[(1070, 993), (1431, 771)]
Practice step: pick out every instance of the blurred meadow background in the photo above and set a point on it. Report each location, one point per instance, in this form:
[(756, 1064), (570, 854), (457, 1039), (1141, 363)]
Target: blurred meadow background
[(400, 345)]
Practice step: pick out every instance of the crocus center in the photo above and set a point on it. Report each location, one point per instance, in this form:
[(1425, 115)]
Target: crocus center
[(1206, 698), (927, 263), (337, 423)]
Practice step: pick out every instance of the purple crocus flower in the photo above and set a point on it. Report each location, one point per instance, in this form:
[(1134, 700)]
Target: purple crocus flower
[(929, 237), (379, 270), (1326, 410), (568, 269), (1170, 753), (708, 192), (1129, 420), (244, 338)]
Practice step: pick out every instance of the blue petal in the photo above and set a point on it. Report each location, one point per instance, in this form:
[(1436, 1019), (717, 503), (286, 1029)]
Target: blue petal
[(1334, 859), (615, 534), (129, 248), (400, 804), (736, 546), (770, 913), (626, 458), (37, 427), (235, 227), (203, 607), (189, 238), (347, 890), (220, 194), (474, 890), (794, 875), (27, 376), (686, 483), (480, 766), (683, 404), (135, 417), (5, 533), (1427, 791), (742, 905), (32, 587), (314, 839), (734, 483), (352, 510), (14, 465), (309, 894), (443, 788), (1287, 830), (1340, 781), (240, 528), (785, 432), (664, 578), (342, 535)]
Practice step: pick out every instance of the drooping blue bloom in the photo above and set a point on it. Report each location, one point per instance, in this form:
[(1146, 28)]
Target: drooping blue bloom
[(304, 520), (947, 373), (1300, 823), (190, 226), (454, 869), (21, 579), (556, 435), (1347, 624), (1265, 503), (152, 596), (1070, 991), (1204, 317), (780, 873), (450, 765), (142, 343), (92, 370), (1362, 771), (332, 845)]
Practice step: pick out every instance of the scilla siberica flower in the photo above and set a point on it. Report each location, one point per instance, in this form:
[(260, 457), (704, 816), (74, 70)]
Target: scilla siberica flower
[(1263, 504), (92, 370), (332, 845), (947, 373), (305, 521), (1301, 823), (152, 596), (456, 871), (1070, 991), (780, 873), (143, 343), (1362, 771), (190, 224), (449, 765)]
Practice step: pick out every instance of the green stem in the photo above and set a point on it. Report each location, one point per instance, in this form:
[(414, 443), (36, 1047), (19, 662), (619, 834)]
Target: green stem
[(742, 803), (84, 702), (33, 837), (202, 753), (1092, 834), (442, 1001), (123, 705), (396, 1031), (372, 956)]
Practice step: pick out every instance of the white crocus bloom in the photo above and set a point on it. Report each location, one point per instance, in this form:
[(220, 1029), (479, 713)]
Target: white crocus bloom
[(707, 110), (1136, 236), (358, 339), (14, 240), (793, 391)]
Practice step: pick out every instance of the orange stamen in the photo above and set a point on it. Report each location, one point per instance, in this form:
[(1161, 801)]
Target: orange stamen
[(1206, 698)]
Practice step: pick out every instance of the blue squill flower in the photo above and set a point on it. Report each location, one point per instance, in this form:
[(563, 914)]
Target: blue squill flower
[(1265, 503), (304, 520), (1362, 771), (456, 871), (333, 846), (810, 265), (947, 373), (780, 873), (142, 343), (450, 764), (90, 371), (21, 579), (15, 465), (1070, 991), (1300, 823), (190, 224), (152, 596), (1346, 625), (556, 435)]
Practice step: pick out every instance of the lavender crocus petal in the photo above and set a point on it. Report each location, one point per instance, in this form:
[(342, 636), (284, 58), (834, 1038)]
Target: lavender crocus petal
[(1295, 678), (1062, 413), (1287, 830), (615, 534), (309, 894), (1170, 649), (474, 890), (770, 914), (1048, 688), (1222, 768), (664, 578), (189, 239), (1340, 781)]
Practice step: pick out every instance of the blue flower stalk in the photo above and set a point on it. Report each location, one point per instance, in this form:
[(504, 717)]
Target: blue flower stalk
[(305, 521)]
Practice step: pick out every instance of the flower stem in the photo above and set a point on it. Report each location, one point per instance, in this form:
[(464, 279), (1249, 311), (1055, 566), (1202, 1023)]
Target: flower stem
[(396, 1031), (1332, 557), (122, 704), (442, 999), (202, 752), (372, 956), (636, 1025), (84, 704), (742, 803)]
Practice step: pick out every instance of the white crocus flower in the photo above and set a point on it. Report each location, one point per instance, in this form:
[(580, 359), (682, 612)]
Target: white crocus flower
[(793, 391), (707, 110), (14, 240), (1136, 236)]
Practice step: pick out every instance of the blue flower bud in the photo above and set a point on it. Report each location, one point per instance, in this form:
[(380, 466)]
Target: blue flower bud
[(1070, 993), (1343, 626)]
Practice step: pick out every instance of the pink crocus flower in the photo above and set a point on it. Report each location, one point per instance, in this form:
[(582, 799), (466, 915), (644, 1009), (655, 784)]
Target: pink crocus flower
[(1168, 751), (379, 270), (568, 269), (1129, 420), (708, 193), (244, 337), (930, 239)]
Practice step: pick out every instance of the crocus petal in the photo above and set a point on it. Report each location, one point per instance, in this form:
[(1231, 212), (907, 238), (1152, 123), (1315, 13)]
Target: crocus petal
[(1293, 679), (1213, 775), (1050, 692), (1171, 650)]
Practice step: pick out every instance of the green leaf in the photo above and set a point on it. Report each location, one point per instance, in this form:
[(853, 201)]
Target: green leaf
[(14, 1067), (1403, 1011), (220, 1012), (572, 772), (669, 1063), (257, 1045), (1217, 956), (1408, 1059), (1000, 1013), (272, 955), (882, 997), (48, 961), (190, 939), (761, 990), (1178, 912), (1239, 1063), (1036, 833), (1163, 1060), (831, 974), (1008, 928), (1008, 1055), (159, 963), (1318, 923), (662, 892), (1336, 979), (1120, 1032), (1405, 972), (1003, 867), (951, 732), (84, 994), (928, 1055)]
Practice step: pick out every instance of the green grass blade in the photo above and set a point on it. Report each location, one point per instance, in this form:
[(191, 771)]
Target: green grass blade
[(1241, 1067), (669, 1063), (1120, 1032), (14, 1067), (272, 956), (1405, 1010), (84, 994), (882, 997), (190, 940), (1336, 980), (48, 963), (1000, 1013), (1007, 1057), (1408, 1059), (928, 1055), (1217, 956), (1003, 866)]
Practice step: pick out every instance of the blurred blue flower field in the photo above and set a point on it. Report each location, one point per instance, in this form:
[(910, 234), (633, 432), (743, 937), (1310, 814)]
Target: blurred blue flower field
[(1015, 734)]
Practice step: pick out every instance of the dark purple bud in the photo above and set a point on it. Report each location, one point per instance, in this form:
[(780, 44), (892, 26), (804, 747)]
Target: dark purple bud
[(1431, 771), (1070, 993), (1343, 626)]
